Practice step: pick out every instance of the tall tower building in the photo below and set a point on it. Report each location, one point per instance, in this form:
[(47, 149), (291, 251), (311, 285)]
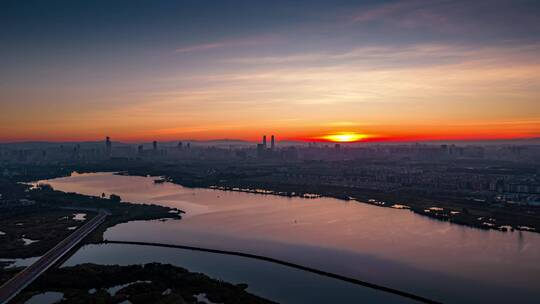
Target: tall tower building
[(272, 142), (154, 145), (264, 141)]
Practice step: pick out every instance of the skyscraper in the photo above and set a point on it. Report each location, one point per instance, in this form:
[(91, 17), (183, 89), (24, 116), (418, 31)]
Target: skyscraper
[(264, 141), (272, 142), (154, 145)]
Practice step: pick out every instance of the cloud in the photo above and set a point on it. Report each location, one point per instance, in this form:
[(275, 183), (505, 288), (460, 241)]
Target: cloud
[(435, 74), (398, 57), (277, 59), (379, 12), (446, 16), (242, 42), (411, 14), (200, 47)]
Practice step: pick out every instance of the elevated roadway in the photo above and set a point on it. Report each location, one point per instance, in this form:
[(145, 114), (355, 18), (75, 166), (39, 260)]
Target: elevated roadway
[(22, 279)]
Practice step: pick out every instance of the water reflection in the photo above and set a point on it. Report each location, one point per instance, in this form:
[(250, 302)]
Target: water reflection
[(276, 282), (391, 247), (46, 298), (22, 262)]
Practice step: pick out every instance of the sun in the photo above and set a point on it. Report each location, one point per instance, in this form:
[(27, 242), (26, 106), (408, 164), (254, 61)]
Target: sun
[(344, 137)]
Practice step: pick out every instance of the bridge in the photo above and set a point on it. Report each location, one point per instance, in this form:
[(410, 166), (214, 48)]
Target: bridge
[(22, 279)]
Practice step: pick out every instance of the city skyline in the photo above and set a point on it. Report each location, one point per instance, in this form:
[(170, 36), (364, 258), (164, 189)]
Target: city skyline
[(383, 70)]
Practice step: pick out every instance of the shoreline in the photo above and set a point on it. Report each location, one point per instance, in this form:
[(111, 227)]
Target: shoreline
[(55, 212), (432, 211), (463, 211), (284, 263)]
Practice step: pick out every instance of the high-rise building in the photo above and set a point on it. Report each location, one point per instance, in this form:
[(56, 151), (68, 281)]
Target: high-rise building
[(264, 141), (272, 142), (180, 144), (154, 145)]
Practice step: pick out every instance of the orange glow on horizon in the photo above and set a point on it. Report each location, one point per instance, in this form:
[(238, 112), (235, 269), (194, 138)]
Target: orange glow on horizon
[(491, 130), (344, 137)]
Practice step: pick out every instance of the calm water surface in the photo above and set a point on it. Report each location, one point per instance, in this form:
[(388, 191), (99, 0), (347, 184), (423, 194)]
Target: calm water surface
[(276, 282), (394, 248)]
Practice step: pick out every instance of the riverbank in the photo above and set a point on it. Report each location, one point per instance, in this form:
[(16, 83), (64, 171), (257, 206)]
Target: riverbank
[(34, 219), (462, 212), (440, 206)]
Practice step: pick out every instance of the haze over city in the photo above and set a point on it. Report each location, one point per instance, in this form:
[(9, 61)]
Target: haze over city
[(387, 70)]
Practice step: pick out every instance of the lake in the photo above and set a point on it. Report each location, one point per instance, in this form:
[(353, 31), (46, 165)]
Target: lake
[(275, 282), (390, 247)]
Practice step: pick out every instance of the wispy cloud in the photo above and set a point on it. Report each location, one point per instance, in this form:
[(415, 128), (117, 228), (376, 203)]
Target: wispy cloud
[(201, 47), (438, 15), (397, 57), (379, 12), (497, 18), (434, 74), (278, 59), (241, 42)]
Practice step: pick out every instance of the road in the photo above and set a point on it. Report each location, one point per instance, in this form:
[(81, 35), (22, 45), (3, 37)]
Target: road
[(16, 284)]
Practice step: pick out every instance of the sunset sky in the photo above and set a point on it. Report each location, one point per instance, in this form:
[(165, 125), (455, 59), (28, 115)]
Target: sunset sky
[(167, 70)]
